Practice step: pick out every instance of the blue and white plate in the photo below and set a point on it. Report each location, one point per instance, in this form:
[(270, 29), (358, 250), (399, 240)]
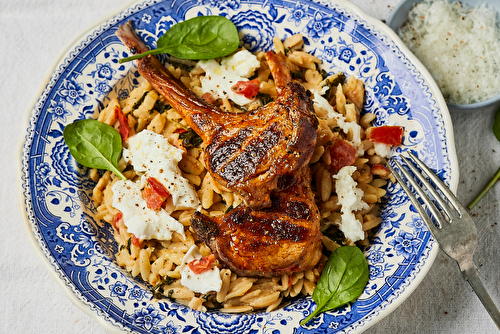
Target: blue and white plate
[(78, 250)]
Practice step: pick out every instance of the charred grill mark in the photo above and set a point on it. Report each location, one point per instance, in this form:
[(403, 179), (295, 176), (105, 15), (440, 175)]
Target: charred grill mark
[(295, 209), (260, 146), (298, 210), (245, 164), (269, 228), (221, 151), (282, 230), (239, 217)]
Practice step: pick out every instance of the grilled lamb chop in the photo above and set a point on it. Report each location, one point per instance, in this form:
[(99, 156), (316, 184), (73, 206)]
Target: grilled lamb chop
[(263, 155), (247, 152), (281, 239)]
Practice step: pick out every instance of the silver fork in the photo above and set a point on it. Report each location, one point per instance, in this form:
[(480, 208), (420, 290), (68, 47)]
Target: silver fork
[(454, 230)]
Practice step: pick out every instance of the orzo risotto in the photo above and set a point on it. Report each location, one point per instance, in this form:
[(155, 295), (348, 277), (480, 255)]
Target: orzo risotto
[(152, 222)]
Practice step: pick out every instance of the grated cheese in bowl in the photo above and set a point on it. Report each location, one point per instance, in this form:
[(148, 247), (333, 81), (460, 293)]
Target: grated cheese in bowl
[(459, 45)]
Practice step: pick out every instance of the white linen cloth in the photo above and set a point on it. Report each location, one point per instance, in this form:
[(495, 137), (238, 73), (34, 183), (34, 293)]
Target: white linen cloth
[(32, 35)]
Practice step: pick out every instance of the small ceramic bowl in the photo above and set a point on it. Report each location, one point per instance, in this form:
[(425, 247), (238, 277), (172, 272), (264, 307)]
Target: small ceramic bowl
[(400, 15)]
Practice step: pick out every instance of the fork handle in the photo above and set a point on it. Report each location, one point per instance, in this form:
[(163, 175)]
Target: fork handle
[(470, 274)]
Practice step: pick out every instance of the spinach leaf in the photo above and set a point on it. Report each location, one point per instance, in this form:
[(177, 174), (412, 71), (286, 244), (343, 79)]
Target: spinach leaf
[(343, 279), (496, 177), (190, 138), (156, 290), (332, 84), (94, 144), (496, 125), (161, 107), (201, 37), (229, 209), (265, 98)]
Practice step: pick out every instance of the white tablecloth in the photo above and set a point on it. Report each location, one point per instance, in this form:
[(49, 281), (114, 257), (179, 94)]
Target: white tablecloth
[(34, 32)]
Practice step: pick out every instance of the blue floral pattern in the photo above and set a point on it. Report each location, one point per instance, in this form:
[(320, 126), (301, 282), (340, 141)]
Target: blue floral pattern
[(57, 190), (73, 92), (319, 26), (298, 13), (58, 110), (346, 52), (147, 317), (405, 244)]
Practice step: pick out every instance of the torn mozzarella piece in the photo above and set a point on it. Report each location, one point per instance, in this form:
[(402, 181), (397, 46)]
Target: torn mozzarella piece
[(204, 282), (220, 78), (141, 221), (153, 155), (351, 199), (384, 150)]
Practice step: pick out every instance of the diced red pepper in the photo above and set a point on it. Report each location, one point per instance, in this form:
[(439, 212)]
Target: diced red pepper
[(381, 171), (158, 187), (122, 119), (118, 216), (153, 200), (180, 130), (155, 194), (387, 134), (200, 266), (248, 89), (342, 154), (136, 241), (208, 97)]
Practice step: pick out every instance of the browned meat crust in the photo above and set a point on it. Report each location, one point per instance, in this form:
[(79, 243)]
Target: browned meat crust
[(282, 239)]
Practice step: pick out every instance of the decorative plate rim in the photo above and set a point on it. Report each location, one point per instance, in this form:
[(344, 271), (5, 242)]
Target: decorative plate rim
[(98, 314)]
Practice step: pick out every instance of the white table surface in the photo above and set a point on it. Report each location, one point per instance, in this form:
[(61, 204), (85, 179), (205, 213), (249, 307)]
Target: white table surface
[(34, 32)]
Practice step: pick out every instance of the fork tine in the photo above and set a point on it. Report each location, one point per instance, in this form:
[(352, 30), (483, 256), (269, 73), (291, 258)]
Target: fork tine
[(427, 201), (427, 220), (430, 174), (453, 200)]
